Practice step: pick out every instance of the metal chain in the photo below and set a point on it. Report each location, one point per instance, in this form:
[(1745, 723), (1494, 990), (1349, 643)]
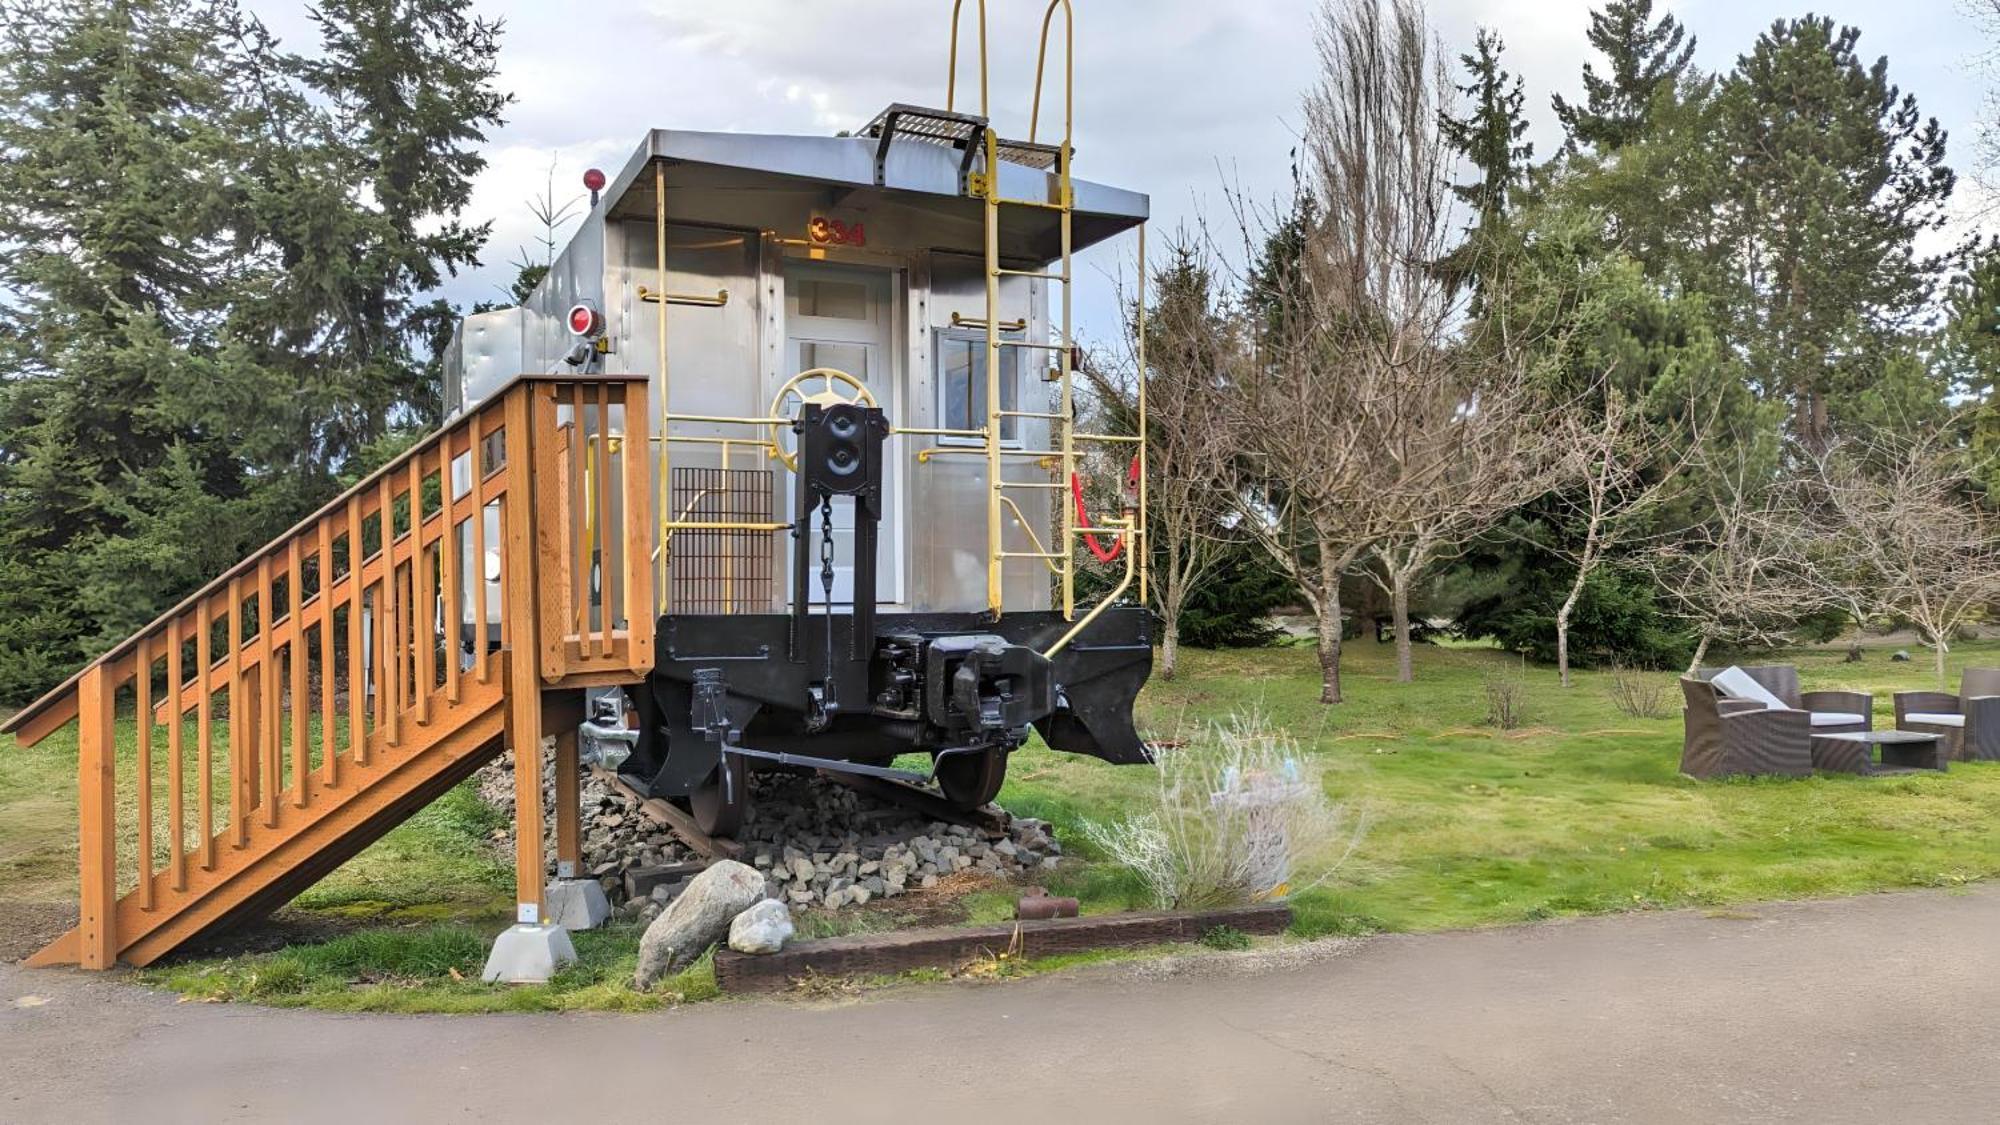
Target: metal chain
[(826, 549), (831, 699)]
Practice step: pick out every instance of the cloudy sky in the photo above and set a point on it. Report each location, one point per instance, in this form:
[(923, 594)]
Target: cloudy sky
[(1174, 97)]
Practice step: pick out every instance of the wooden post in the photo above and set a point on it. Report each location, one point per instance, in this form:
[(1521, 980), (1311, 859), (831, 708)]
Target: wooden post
[(97, 799), (569, 810), (524, 687)]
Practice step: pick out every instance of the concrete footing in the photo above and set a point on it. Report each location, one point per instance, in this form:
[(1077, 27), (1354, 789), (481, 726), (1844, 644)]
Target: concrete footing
[(577, 904), (528, 954)]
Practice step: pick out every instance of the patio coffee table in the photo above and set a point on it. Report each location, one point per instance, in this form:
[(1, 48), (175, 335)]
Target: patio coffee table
[(1854, 751)]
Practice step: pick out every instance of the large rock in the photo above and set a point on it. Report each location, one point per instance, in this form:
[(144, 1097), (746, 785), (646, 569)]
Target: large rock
[(764, 928), (697, 919)]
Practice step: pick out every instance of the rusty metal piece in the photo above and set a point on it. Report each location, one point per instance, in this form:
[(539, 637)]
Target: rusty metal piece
[(1035, 907)]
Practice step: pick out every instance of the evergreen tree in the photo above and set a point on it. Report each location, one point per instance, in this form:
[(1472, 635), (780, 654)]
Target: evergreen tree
[(411, 85), (1645, 56), (1833, 174), (214, 256), (114, 126), (1490, 139)]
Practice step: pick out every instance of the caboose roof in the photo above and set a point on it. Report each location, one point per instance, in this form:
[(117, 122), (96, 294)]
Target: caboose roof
[(708, 172)]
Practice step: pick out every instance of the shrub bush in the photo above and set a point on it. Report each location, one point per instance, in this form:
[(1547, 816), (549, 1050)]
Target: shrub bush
[(1237, 815)]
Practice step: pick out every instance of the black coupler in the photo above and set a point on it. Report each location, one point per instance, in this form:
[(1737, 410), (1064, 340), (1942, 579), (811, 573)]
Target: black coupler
[(921, 683)]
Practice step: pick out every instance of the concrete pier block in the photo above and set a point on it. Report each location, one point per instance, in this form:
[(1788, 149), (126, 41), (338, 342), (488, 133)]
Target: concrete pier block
[(528, 954), (577, 904)]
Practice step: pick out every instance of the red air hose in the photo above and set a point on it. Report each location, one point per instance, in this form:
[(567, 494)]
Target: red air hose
[(1083, 516)]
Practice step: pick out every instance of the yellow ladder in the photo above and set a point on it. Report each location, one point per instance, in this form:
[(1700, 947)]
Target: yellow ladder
[(985, 184)]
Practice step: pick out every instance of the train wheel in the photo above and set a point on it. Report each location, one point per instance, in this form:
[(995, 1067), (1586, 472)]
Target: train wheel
[(970, 781), (719, 803)]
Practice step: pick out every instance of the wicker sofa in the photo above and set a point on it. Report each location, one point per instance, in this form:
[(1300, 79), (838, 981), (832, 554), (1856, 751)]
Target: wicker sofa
[(1969, 721), (1725, 734)]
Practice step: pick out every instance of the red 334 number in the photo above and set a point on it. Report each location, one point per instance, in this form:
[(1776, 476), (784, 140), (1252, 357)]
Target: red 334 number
[(834, 232)]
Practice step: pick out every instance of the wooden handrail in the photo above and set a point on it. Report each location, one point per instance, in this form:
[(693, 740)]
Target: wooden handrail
[(33, 723), (418, 698)]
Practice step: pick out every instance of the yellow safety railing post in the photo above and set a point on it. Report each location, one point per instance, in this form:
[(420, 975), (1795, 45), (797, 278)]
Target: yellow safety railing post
[(1139, 542), (994, 560)]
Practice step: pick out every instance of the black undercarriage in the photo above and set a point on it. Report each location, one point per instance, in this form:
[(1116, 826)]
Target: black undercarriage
[(726, 682)]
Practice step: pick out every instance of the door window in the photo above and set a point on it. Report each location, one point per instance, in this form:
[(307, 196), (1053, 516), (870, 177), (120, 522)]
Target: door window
[(961, 380)]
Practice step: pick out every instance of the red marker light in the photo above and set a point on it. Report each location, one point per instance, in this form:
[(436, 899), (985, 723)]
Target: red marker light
[(584, 321), (594, 179)]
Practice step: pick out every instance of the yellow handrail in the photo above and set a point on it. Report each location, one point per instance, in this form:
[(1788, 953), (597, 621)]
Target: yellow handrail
[(1069, 76), (951, 81)]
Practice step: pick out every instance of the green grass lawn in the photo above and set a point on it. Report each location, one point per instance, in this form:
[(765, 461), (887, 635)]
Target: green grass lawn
[(1580, 811), (1583, 810)]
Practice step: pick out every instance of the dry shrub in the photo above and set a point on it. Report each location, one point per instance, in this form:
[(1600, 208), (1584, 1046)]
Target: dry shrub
[(1637, 694), (1506, 700), (1238, 815)]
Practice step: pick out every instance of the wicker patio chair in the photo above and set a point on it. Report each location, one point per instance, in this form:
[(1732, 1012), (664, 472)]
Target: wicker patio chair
[(1724, 736), (1833, 712), (1968, 721)]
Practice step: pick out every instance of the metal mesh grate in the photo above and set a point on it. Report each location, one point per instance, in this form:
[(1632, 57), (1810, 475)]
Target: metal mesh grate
[(713, 570), (1029, 155), (918, 123)]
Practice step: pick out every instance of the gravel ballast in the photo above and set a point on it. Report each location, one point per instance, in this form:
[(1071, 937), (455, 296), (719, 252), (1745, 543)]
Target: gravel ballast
[(818, 843)]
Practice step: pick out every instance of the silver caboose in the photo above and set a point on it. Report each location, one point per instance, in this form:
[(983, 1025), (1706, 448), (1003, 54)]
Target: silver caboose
[(868, 452)]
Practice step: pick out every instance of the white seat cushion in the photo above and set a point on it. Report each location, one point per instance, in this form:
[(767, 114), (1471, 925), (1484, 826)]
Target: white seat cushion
[(1935, 719), (1836, 719), (1735, 683)]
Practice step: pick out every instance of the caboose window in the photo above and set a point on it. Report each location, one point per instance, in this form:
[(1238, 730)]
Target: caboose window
[(961, 361)]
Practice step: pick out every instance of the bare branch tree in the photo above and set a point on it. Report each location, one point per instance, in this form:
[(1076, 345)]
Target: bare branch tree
[(1745, 573), (1624, 467), (1348, 301), (1925, 545), (1464, 441)]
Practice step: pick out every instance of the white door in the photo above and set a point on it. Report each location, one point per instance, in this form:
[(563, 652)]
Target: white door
[(843, 317)]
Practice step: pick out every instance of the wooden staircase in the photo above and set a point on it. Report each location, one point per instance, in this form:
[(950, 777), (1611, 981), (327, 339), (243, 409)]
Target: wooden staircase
[(339, 679)]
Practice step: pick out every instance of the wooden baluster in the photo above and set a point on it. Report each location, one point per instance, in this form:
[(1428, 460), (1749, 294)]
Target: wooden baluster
[(389, 671), (478, 577), (448, 544), (422, 632), (606, 599), (97, 804), (142, 684), (357, 655), (269, 685), (636, 550), (242, 748), (551, 558), (254, 681), (176, 761), (329, 751), (204, 733), (295, 658)]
